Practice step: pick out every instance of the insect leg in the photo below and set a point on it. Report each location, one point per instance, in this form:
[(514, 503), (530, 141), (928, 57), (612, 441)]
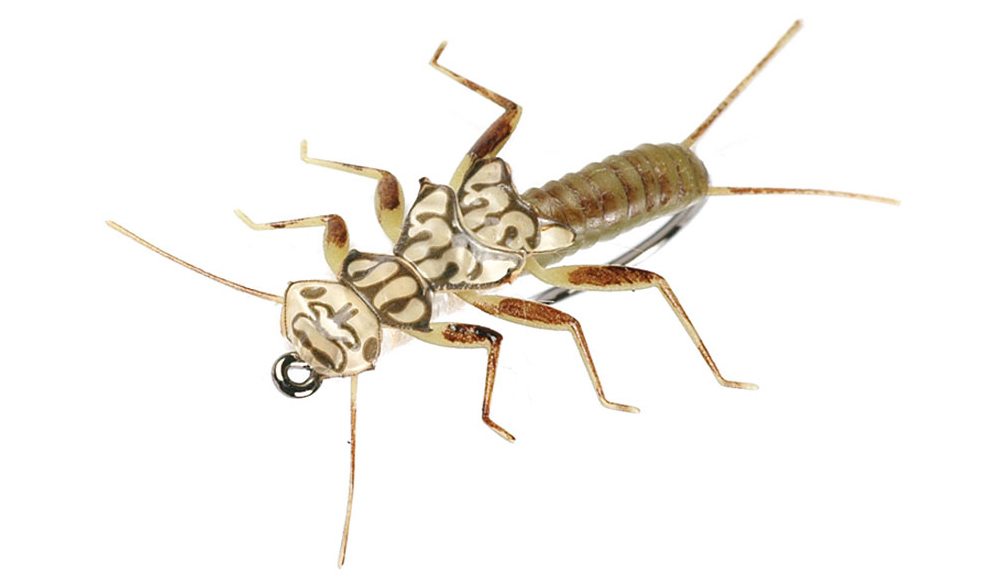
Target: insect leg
[(455, 335), (647, 247), (621, 278), (538, 315), (389, 203), (496, 135), (336, 240)]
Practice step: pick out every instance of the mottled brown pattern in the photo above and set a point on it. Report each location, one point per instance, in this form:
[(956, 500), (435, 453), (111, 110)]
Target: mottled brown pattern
[(493, 212), (470, 334), (390, 310), (496, 134), (305, 343), (444, 252), (388, 192), (330, 325), (534, 311), (604, 276), (330, 318), (336, 232)]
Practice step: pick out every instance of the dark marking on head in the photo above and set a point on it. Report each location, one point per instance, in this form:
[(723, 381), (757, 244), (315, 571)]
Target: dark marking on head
[(371, 349), (318, 354), (325, 360), (341, 318), (313, 292)]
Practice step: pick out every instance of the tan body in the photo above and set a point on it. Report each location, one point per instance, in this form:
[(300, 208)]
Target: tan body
[(622, 192), (478, 233)]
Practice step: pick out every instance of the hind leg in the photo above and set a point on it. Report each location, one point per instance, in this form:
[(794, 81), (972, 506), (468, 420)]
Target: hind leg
[(621, 278), (496, 135)]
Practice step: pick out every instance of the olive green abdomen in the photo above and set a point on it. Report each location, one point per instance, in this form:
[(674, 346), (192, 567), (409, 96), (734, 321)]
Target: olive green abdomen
[(607, 198)]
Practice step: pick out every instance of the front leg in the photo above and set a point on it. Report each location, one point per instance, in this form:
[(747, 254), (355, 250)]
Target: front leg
[(496, 135), (389, 203), (335, 242)]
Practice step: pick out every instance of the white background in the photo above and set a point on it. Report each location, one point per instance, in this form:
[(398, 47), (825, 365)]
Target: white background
[(141, 441)]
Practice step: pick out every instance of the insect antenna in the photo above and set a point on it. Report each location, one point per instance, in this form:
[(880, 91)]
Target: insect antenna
[(353, 459), (218, 279), (692, 138), (792, 191)]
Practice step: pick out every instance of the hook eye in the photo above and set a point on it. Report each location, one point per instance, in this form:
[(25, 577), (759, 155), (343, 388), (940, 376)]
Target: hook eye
[(280, 376)]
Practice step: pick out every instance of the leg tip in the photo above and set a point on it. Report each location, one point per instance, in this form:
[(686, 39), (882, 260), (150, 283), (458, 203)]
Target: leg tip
[(500, 430), (620, 407), (737, 385), (505, 435), (439, 51)]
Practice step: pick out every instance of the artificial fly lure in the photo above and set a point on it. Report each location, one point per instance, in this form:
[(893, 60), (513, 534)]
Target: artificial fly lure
[(479, 233)]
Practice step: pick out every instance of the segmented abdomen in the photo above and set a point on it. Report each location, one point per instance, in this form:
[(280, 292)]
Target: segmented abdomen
[(605, 199)]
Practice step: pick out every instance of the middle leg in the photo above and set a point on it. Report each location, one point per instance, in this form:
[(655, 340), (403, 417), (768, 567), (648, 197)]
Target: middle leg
[(454, 335), (538, 315)]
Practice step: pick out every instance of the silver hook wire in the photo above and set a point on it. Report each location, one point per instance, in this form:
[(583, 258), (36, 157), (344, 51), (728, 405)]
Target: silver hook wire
[(657, 240)]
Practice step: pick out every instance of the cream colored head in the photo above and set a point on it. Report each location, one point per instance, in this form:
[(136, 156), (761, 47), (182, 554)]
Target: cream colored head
[(333, 330)]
